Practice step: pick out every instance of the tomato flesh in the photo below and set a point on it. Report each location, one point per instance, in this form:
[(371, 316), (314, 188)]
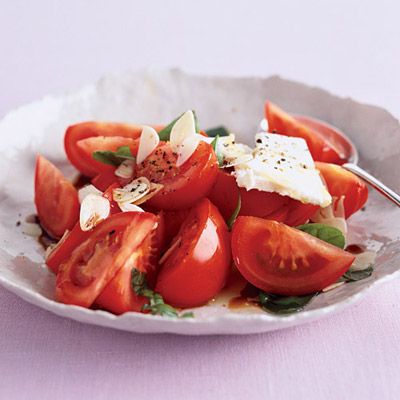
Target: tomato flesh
[(198, 266), (56, 199), (283, 260), (283, 123), (110, 247), (341, 182), (184, 185)]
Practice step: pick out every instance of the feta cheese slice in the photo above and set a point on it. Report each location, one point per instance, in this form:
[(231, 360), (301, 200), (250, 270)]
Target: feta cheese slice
[(284, 165)]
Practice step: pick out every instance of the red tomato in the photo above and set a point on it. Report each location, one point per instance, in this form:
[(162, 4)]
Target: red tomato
[(111, 246), (184, 185), (199, 261), (89, 145), (321, 148), (118, 296), (257, 203), (75, 237), (104, 180), (173, 222), (56, 199), (341, 182), (224, 195), (85, 130), (283, 260)]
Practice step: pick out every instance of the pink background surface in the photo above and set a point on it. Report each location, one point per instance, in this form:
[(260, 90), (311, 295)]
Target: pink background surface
[(51, 46)]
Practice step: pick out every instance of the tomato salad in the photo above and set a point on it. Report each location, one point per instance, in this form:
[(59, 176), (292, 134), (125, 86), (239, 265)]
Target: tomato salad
[(170, 213)]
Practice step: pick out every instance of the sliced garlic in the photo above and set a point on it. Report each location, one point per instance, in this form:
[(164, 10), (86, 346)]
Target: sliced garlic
[(333, 286), (186, 149), (133, 191), (129, 207), (126, 169), (333, 215), (154, 189), (86, 190), (149, 140), (363, 261), (207, 139), (182, 129), (31, 229), (94, 209)]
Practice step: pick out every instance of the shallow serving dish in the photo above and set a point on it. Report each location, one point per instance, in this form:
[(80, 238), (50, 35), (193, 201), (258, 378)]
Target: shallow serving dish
[(157, 97)]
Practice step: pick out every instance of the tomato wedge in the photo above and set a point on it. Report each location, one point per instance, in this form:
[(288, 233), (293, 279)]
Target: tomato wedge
[(283, 260), (198, 263), (256, 203), (56, 199), (88, 129), (321, 148), (184, 185), (341, 182), (89, 145), (110, 247), (118, 296)]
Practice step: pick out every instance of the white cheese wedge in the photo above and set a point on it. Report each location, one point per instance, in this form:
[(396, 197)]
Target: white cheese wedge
[(283, 165), (149, 140)]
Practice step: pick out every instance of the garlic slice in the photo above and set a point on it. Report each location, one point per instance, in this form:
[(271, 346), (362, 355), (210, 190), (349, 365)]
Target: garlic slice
[(154, 189), (126, 169), (182, 129), (94, 209), (129, 207), (186, 149), (149, 140), (207, 139), (333, 286), (31, 229), (133, 191), (333, 215), (86, 190)]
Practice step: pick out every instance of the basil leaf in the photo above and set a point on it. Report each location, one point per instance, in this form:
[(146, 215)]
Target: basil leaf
[(165, 133), (156, 303), (283, 304), (220, 158), (354, 276), (233, 217), (217, 131), (326, 233), (114, 158)]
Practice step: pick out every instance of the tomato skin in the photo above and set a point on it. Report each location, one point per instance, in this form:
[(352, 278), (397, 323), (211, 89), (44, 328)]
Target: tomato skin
[(283, 260), (104, 180), (284, 124), (56, 199), (110, 247), (183, 186), (197, 269), (173, 222), (257, 203), (341, 182)]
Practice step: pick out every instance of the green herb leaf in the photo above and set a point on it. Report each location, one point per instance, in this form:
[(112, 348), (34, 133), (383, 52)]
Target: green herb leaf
[(283, 304), (326, 233), (233, 217), (354, 276), (217, 131), (156, 303), (214, 144), (165, 133), (114, 158)]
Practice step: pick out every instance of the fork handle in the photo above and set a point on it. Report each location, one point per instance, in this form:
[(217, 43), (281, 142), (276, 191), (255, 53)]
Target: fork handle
[(375, 183)]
